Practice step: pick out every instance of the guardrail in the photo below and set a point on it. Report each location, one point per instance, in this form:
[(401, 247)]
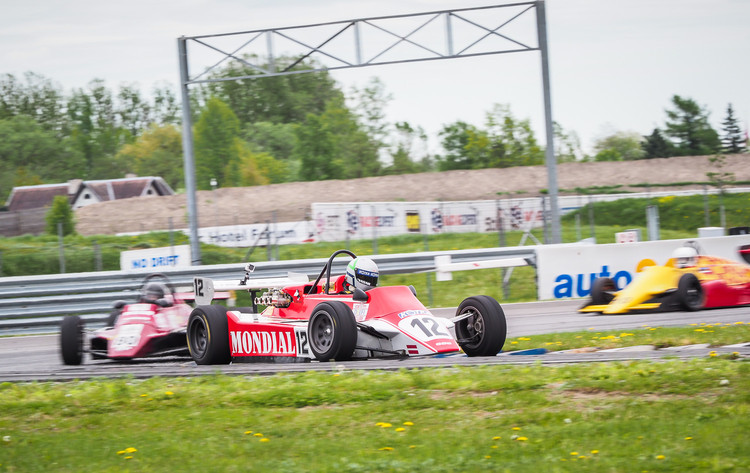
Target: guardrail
[(35, 304)]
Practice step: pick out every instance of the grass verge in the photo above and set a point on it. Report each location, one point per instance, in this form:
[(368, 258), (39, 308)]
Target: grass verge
[(669, 415)]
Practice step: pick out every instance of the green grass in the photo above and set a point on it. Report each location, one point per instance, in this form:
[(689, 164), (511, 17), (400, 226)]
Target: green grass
[(618, 417)]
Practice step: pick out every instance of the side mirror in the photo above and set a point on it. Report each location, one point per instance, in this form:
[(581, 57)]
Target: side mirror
[(359, 295)]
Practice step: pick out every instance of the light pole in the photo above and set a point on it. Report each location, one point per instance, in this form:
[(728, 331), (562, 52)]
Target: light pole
[(214, 184)]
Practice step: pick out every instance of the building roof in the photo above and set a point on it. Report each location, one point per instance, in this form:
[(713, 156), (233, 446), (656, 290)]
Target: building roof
[(32, 197), (114, 189)]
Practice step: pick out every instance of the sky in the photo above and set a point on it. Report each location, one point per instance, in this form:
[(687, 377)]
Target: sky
[(614, 64)]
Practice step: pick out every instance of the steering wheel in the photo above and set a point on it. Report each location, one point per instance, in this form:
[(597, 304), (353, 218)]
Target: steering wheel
[(327, 271)]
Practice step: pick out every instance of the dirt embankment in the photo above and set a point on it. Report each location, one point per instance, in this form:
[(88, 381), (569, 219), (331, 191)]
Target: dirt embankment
[(291, 201)]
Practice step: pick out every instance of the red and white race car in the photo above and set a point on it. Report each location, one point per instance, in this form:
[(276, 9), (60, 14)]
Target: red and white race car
[(154, 326), (331, 319)]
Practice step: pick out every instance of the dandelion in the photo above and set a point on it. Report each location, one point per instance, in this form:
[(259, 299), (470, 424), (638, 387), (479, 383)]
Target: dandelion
[(712, 353), (130, 450), (488, 456), (408, 424), (384, 425), (494, 446), (144, 395), (248, 432), (516, 428), (412, 446), (522, 439), (169, 393), (575, 454), (660, 457), (400, 429), (688, 438), (264, 439), (258, 435), (386, 449), (496, 438), (121, 452), (594, 452), (129, 457)]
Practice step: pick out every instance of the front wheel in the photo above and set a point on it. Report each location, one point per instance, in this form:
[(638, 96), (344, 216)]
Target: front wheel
[(483, 332), (71, 340), (690, 292), (332, 331), (208, 335)]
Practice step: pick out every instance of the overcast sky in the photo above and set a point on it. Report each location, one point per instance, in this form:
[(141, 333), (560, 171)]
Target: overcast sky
[(614, 64)]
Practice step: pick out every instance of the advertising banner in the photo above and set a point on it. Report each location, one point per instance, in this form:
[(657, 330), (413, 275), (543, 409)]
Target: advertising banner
[(156, 259), (568, 270), (243, 236)]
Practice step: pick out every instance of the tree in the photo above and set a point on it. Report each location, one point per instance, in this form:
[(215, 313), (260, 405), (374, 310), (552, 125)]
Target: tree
[(506, 141), (656, 146), (38, 98), (315, 148), (619, 146), (217, 133), (157, 152), (60, 213), (689, 129), (732, 142), (95, 131), (30, 154), (405, 159), (567, 145), (279, 99)]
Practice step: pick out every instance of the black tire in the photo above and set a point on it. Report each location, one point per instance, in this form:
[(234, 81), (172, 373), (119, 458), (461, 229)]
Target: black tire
[(71, 340), (112, 319), (208, 335), (690, 292), (332, 331), (601, 291), (482, 334)]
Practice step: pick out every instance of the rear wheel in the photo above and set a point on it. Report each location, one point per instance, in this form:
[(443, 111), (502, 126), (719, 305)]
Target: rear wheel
[(601, 291), (483, 332), (71, 340), (332, 331), (208, 335), (690, 292)]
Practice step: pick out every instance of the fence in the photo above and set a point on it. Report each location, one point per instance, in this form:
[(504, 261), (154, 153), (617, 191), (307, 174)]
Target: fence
[(21, 223), (37, 303)]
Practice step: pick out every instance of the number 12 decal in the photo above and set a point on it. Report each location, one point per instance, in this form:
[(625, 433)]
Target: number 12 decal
[(429, 326)]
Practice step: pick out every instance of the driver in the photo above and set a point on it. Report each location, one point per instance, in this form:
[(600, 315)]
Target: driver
[(685, 257), (362, 273), (152, 292)]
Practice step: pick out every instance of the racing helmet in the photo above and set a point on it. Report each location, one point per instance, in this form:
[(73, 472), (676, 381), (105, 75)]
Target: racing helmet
[(362, 273), (685, 257), (152, 292)]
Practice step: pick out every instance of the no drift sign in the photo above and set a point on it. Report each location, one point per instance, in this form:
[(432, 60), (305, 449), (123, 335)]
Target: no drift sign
[(155, 259)]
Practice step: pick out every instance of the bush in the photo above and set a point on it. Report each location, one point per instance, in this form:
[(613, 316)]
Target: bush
[(60, 213)]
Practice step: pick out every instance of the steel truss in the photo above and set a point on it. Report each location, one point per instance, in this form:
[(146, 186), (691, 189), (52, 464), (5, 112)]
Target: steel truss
[(447, 34)]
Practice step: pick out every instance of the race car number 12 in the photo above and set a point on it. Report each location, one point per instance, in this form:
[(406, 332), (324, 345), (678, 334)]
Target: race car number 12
[(198, 287)]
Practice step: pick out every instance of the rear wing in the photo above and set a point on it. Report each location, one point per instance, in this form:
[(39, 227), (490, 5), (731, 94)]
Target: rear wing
[(205, 289)]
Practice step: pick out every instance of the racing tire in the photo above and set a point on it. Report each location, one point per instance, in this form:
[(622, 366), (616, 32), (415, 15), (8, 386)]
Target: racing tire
[(601, 291), (332, 331), (690, 292), (483, 333), (208, 335), (71, 340)]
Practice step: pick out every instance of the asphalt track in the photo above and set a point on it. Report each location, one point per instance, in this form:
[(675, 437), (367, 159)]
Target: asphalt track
[(37, 358)]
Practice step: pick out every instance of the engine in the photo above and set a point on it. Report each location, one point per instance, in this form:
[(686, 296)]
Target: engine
[(274, 298)]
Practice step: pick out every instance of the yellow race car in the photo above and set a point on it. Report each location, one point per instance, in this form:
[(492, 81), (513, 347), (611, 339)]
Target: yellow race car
[(688, 281)]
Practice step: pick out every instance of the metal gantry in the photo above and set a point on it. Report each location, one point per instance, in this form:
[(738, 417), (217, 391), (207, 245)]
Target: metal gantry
[(447, 34)]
